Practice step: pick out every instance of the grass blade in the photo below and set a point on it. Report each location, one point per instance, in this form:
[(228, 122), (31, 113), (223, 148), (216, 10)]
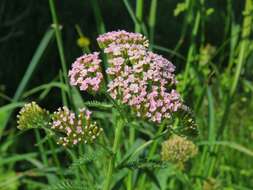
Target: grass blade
[(29, 71), (98, 17)]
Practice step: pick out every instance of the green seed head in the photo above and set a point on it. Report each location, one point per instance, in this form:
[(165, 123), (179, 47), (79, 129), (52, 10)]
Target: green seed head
[(178, 149)]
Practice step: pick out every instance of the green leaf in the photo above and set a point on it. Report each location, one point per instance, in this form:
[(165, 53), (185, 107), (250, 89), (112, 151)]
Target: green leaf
[(9, 180), (77, 98), (229, 144), (69, 185)]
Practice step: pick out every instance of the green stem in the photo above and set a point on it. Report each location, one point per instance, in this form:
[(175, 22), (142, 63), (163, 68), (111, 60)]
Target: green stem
[(58, 38), (98, 17), (55, 157), (152, 21), (130, 174), (63, 95), (85, 49), (42, 153), (150, 155), (41, 148), (138, 13), (116, 143), (73, 159), (190, 56), (59, 44)]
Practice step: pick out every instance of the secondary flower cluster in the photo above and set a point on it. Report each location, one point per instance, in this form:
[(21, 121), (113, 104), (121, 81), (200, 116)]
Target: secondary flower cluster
[(178, 149), (86, 72), (140, 78), (32, 116), (74, 128)]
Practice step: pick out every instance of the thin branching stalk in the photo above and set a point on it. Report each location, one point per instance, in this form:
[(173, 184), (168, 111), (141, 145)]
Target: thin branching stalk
[(116, 143), (150, 155), (63, 95), (42, 152)]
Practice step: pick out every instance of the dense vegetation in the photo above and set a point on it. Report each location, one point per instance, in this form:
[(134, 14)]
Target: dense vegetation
[(205, 144)]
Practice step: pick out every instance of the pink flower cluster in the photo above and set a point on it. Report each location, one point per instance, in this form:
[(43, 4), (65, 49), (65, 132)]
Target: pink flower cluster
[(121, 37), (74, 128), (140, 78), (86, 72)]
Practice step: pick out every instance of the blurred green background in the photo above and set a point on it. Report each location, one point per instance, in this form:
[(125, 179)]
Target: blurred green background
[(209, 41)]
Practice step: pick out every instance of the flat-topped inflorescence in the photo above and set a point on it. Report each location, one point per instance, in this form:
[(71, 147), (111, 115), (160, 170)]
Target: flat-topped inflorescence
[(86, 73), (74, 128), (139, 78), (121, 37), (143, 80), (32, 116)]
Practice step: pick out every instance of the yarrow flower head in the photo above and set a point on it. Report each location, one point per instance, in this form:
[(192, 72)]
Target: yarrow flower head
[(86, 73), (178, 149), (121, 37), (140, 78), (32, 116), (74, 128)]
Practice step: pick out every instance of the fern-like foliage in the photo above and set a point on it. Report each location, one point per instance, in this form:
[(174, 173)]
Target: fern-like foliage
[(188, 125), (145, 164), (69, 185), (86, 158), (98, 105)]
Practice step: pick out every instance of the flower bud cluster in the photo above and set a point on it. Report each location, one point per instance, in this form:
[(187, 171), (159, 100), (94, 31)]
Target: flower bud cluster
[(74, 128), (86, 72), (32, 116), (178, 149)]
